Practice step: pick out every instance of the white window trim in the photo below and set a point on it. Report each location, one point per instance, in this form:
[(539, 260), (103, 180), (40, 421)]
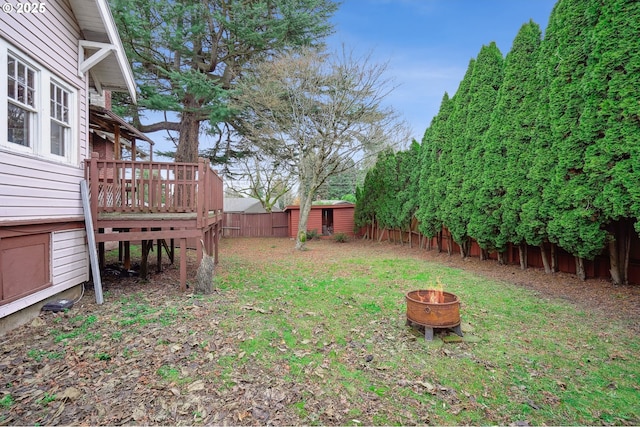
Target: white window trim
[(40, 146)]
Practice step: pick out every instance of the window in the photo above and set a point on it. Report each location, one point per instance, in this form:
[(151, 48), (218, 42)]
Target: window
[(60, 128), (21, 97), (38, 107)]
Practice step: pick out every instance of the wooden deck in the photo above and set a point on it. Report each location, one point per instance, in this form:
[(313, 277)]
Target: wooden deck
[(147, 201)]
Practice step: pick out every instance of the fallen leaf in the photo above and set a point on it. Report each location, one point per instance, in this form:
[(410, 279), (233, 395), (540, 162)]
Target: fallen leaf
[(430, 387), (70, 393), (196, 386)]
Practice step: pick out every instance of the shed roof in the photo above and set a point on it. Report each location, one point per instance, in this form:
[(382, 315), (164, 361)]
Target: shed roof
[(324, 204), (245, 205)]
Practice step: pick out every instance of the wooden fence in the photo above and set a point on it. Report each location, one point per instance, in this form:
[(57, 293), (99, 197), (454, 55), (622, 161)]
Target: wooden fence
[(273, 224), (563, 261)]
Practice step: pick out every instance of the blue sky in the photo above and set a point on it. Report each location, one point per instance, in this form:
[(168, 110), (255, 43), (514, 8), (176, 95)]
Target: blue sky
[(428, 43)]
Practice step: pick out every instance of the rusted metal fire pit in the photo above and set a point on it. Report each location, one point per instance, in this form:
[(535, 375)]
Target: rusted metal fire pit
[(433, 309)]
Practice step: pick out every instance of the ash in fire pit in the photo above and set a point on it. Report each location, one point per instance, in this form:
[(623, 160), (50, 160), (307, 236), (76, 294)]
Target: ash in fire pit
[(433, 309)]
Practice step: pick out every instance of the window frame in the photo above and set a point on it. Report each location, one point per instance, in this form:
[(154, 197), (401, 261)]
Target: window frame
[(54, 87), (42, 116)]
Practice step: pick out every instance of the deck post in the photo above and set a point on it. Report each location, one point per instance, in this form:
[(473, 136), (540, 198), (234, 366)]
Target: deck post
[(127, 255), (216, 238), (159, 256), (93, 178), (201, 206), (183, 264), (200, 247)]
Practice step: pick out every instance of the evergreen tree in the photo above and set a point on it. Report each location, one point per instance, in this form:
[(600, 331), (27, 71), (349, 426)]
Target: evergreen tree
[(435, 153), (452, 160), (503, 187), (610, 123), (408, 179), (372, 196), (467, 139), (341, 184), (573, 224), (485, 156), (386, 206), (537, 210), (187, 55)]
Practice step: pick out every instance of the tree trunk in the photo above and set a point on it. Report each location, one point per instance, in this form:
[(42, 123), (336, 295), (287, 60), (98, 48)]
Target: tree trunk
[(580, 272), (187, 150), (626, 254), (614, 262), (484, 254), (522, 250), (545, 260), (501, 258), (373, 229), (554, 258), (306, 198), (619, 252), (439, 241), (449, 245), (465, 246)]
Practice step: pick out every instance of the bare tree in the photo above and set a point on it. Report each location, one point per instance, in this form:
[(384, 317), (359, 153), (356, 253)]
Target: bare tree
[(263, 178), (315, 112)]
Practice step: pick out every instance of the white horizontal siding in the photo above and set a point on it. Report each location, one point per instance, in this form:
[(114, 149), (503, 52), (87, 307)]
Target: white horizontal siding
[(34, 189), (21, 183), (50, 40), (70, 260)]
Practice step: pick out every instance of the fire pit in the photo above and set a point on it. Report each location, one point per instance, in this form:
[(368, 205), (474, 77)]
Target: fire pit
[(433, 309)]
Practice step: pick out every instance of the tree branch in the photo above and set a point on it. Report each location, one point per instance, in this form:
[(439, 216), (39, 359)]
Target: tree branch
[(164, 125)]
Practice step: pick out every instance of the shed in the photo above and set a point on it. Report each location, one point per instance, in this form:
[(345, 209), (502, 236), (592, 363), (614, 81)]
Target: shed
[(327, 217)]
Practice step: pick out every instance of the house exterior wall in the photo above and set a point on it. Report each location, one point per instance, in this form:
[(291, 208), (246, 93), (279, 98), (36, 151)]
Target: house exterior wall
[(40, 201)]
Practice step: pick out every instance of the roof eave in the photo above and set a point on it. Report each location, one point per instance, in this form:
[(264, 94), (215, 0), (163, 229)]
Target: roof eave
[(102, 31)]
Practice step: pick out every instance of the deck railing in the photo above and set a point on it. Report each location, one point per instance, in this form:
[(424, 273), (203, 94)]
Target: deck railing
[(122, 186)]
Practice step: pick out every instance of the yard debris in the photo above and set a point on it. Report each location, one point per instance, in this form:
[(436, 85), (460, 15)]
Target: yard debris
[(256, 309), (70, 393)]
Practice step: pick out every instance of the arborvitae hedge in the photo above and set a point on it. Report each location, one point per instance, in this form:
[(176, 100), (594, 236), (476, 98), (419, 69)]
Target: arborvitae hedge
[(541, 148)]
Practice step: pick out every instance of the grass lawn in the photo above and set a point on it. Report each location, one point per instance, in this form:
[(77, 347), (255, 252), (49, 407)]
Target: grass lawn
[(315, 318), (319, 338)]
